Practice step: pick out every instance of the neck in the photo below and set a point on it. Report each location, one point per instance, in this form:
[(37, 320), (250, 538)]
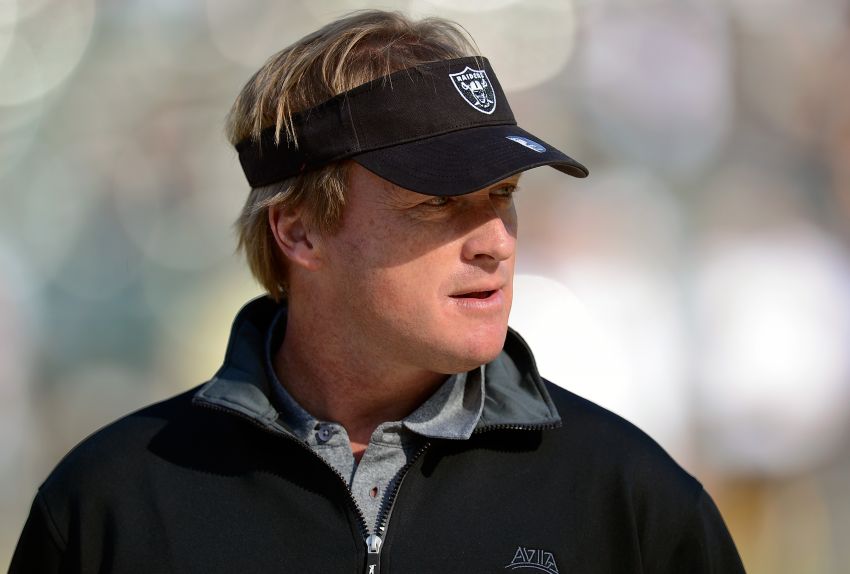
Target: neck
[(336, 377)]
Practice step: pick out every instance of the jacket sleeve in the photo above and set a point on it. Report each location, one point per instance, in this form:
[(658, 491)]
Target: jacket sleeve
[(703, 544), (40, 548)]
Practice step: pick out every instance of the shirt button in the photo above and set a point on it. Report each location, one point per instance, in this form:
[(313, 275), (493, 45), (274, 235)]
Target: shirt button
[(324, 433)]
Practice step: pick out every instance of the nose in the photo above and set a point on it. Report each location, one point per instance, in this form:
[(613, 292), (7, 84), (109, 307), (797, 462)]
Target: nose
[(493, 238)]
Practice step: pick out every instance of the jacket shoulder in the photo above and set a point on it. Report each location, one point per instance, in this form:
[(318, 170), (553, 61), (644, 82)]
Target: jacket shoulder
[(678, 526), (616, 446), (116, 454)]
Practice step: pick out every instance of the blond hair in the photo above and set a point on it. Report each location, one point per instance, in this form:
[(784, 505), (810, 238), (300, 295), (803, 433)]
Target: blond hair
[(338, 57)]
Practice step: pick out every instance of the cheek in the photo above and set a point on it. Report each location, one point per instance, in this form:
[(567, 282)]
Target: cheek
[(408, 288), (393, 251), (376, 244), (387, 273)]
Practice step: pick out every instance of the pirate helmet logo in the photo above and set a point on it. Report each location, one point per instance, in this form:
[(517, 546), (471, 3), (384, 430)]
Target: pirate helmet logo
[(476, 89)]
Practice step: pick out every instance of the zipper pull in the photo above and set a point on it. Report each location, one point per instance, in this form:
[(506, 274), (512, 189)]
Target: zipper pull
[(373, 554)]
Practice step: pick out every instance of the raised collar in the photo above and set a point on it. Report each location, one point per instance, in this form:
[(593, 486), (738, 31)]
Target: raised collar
[(514, 393)]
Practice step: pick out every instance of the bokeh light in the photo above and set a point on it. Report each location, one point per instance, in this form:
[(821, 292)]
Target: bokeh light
[(656, 82), (774, 321), (8, 22), (571, 346), (528, 43), (44, 50), (249, 32)]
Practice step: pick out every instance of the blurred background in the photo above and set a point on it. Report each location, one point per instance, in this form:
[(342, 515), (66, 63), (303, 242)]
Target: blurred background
[(696, 283)]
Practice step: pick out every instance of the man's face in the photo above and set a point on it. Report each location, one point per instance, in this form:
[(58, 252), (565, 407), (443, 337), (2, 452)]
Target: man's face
[(426, 279)]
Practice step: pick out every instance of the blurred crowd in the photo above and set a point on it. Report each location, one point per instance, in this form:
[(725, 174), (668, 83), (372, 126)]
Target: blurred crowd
[(696, 283)]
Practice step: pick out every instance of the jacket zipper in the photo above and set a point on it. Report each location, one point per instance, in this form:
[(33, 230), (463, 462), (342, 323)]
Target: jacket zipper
[(511, 426), (374, 541)]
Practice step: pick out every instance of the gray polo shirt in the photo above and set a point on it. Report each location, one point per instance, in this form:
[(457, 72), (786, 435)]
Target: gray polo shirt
[(452, 412)]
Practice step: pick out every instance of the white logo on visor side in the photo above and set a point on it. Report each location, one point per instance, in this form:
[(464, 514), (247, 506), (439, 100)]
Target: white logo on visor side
[(532, 145), (476, 89)]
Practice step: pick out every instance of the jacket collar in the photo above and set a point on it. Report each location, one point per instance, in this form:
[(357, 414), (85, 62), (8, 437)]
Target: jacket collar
[(515, 394)]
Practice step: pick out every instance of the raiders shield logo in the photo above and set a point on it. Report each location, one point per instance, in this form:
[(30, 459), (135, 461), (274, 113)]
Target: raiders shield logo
[(476, 89)]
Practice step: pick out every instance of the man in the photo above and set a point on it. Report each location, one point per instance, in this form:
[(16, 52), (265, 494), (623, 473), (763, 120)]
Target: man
[(374, 413)]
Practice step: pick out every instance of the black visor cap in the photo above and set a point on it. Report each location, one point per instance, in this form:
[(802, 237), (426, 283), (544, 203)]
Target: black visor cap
[(465, 161), (442, 128)]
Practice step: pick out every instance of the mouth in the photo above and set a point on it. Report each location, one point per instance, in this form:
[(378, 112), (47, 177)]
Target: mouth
[(474, 295), (486, 301)]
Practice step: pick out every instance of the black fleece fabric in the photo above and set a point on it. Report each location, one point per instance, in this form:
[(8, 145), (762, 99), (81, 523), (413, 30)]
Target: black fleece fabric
[(180, 488), (189, 487)]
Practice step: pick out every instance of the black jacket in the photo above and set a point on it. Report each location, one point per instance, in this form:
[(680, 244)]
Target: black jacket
[(210, 482)]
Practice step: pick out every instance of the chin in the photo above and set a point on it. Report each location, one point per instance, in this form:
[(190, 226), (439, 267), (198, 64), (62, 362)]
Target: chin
[(474, 350)]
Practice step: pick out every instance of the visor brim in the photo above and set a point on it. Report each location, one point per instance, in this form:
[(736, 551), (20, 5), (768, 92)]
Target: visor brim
[(467, 160)]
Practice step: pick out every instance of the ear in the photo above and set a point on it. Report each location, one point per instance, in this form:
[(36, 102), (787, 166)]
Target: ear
[(294, 238)]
